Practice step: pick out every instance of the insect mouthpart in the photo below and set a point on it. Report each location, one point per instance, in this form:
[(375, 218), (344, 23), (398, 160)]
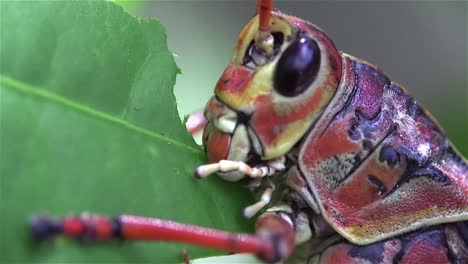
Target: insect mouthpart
[(226, 152), (229, 142)]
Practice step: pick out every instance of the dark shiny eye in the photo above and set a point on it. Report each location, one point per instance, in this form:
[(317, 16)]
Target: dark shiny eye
[(298, 67)]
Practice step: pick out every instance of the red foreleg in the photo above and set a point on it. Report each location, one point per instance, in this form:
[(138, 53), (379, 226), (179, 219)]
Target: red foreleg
[(274, 240)]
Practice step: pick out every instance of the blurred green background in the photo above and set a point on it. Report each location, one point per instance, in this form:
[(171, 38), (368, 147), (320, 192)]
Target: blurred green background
[(422, 45)]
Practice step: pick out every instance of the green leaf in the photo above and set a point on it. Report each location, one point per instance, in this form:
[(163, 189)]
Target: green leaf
[(88, 122), (130, 5)]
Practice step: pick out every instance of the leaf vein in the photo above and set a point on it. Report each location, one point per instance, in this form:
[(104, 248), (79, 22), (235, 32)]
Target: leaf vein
[(53, 97)]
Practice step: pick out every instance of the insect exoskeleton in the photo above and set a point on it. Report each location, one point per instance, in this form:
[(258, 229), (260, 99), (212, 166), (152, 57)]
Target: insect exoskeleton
[(264, 104), (351, 168), (349, 153)]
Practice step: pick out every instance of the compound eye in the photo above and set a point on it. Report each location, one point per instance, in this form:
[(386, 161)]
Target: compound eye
[(297, 68)]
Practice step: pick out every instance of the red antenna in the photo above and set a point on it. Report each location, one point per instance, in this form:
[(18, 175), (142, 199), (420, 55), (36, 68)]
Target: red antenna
[(264, 40), (264, 9)]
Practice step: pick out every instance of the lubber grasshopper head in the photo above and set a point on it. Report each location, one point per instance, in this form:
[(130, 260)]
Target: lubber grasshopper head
[(273, 89), (366, 165)]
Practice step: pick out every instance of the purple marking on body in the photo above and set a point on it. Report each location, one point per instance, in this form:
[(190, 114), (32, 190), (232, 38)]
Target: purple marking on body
[(370, 84)]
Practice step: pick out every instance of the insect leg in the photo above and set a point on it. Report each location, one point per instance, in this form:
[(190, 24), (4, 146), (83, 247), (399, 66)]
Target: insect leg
[(274, 239), (265, 199), (297, 182), (269, 169)]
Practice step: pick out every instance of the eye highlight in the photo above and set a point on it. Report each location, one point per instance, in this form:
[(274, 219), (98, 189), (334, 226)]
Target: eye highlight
[(298, 67)]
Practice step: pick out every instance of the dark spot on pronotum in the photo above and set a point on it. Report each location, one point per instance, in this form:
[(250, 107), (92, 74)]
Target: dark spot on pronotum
[(353, 132), (367, 145), (389, 155), (226, 81), (374, 180)]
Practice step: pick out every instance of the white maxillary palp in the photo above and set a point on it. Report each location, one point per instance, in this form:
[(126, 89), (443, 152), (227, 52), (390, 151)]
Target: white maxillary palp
[(225, 121), (227, 166), (226, 124), (271, 168), (265, 199)]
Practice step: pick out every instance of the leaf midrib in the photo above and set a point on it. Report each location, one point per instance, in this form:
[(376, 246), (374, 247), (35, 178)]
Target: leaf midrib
[(44, 94)]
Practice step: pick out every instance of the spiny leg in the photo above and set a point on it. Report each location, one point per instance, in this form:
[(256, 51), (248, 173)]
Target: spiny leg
[(274, 240)]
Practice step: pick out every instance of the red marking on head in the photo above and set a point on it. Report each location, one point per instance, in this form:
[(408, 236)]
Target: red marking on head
[(217, 145), (215, 107), (234, 80), (266, 117)]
